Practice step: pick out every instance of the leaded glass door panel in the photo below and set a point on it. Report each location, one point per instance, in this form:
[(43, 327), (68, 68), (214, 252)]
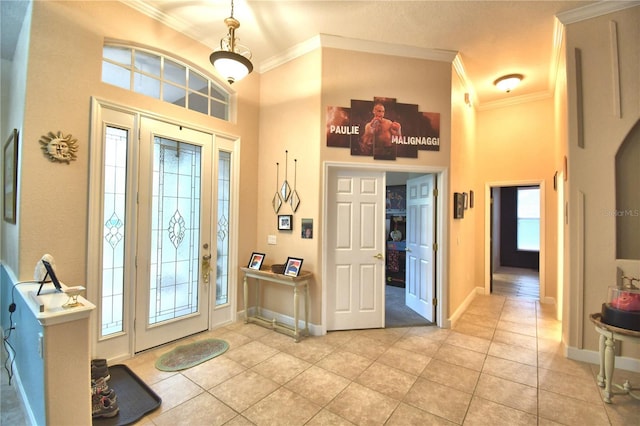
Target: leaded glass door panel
[(174, 200)]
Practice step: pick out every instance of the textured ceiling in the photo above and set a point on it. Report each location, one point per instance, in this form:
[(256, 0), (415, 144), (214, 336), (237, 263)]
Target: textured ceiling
[(492, 38)]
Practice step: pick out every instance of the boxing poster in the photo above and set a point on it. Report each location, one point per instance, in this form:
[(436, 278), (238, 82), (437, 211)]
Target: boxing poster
[(383, 129)]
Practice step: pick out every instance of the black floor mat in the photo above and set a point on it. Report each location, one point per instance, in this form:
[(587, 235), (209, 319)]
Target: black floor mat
[(134, 397)]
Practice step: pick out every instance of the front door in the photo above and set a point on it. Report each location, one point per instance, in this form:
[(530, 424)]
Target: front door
[(174, 200), (420, 268), (356, 241)]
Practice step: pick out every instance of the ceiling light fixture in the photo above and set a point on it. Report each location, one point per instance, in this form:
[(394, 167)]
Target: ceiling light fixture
[(232, 60), (508, 82)]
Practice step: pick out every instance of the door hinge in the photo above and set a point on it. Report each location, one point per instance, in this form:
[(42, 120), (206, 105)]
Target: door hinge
[(435, 192), (435, 246), (434, 301)]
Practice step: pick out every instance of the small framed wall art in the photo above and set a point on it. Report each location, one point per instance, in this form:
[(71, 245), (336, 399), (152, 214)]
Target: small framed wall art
[(285, 222), (458, 205), (10, 173)]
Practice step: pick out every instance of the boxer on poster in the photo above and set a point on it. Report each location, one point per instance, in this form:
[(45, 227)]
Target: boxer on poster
[(380, 130)]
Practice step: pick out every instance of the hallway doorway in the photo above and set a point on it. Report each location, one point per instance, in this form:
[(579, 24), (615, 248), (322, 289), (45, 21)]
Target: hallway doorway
[(515, 239)]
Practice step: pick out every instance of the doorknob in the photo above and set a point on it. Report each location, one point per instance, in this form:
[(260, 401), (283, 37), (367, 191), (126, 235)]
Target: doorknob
[(407, 249), (379, 256)]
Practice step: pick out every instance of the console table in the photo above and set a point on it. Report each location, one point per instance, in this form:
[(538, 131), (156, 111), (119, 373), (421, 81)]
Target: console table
[(608, 336), (301, 282)]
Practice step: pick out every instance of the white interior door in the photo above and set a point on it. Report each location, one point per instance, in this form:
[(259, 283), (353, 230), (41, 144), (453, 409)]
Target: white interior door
[(420, 267), (356, 241), (174, 200)]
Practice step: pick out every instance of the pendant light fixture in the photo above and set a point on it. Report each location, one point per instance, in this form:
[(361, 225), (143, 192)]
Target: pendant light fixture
[(232, 60)]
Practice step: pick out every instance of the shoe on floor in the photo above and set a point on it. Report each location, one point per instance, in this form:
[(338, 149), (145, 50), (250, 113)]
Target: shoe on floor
[(104, 407), (100, 372)]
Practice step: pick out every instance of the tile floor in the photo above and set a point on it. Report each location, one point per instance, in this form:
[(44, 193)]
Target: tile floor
[(500, 365), (516, 282)]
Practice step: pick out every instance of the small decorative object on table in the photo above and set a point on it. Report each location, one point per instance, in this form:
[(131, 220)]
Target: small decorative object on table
[(278, 268), (623, 308)]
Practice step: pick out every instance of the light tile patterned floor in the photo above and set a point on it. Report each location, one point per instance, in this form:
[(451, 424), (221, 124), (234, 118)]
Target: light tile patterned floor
[(501, 365)]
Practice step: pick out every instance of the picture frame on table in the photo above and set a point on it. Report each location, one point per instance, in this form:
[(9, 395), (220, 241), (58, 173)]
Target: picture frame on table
[(256, 260), (10, 173), (285, 222), (293, 266)]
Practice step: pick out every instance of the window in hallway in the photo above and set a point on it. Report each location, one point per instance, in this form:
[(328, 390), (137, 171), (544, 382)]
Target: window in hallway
[(529, 219)]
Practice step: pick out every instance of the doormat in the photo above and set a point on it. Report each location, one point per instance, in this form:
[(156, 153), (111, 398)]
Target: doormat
[(134, 398), (187, 356)]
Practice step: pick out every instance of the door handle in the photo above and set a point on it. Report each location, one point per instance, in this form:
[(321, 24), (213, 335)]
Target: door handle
[(407, 249), (379, 256), (206, 267)]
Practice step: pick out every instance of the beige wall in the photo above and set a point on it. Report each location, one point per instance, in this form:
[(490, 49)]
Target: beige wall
[(64, 72), (289, 121), (591, 193), (463, 242)]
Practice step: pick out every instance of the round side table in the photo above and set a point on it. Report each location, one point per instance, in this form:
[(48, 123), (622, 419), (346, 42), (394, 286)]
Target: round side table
[(608, 336)]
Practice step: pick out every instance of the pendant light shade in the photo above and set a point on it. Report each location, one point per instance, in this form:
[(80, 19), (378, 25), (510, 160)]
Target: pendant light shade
[(232, 60)]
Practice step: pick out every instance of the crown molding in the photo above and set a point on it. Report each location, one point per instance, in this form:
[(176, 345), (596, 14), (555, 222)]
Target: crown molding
[(152, 12), (516, 100), (594, 10), (356, 45), (458, 67)]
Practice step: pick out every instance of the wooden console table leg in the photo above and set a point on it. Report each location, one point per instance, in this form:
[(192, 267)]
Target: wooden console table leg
[(601, 346), (296, 331), (306, 309), (609, 360), (246, 300)]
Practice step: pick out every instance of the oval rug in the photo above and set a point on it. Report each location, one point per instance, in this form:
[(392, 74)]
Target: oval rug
[(187, 356)]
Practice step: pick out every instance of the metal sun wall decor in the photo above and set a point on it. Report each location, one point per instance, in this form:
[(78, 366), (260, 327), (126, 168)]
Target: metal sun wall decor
[(383, 129), (59, 148), (284, 194)]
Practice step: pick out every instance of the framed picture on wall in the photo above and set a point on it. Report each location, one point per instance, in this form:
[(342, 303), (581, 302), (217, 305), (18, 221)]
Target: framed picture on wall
[(285, 222), (458, 205), (10, 173)]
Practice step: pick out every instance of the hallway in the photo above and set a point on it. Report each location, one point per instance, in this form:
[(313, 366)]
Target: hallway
[(516, 282)]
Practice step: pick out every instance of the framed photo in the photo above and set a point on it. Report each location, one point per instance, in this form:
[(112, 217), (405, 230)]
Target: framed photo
[(458, 205), (256, 260), (307, 228), (285, 222), (293, 266), (10, 173)]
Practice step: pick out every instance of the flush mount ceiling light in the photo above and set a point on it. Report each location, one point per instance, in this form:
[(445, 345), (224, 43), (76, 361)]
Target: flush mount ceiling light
[(232, 60), (508, 82)]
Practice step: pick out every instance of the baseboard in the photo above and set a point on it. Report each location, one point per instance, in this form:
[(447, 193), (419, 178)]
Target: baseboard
[(593, 357), (314, 330), (464, 305)]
